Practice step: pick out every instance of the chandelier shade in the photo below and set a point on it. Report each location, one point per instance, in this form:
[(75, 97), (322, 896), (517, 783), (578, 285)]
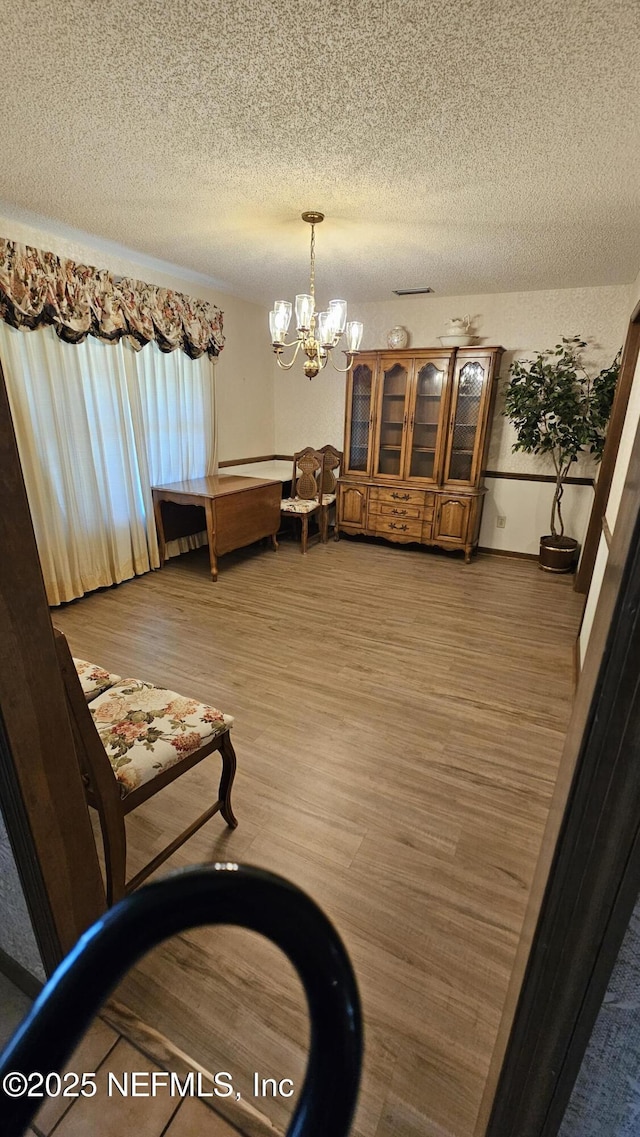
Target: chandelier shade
[(338, 314), (279, 320), (305, 307), (354, 335), (324, 330), (317, 333)]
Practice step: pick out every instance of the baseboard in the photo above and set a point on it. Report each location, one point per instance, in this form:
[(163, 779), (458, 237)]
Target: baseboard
[(19, 976), (508, 553)]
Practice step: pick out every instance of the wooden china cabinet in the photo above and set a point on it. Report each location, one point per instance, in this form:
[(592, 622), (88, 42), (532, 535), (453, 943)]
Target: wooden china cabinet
[(416, 438)]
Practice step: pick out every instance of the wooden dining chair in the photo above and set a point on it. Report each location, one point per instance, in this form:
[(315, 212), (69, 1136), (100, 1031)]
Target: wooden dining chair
[(132, 739), (332, 466), (306, 491)]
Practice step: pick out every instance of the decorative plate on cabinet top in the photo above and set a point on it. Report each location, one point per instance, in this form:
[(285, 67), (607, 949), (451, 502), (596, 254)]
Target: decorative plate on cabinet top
[(457, 341)]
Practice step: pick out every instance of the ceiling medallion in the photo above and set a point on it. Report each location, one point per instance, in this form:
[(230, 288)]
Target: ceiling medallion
[(318, 333)]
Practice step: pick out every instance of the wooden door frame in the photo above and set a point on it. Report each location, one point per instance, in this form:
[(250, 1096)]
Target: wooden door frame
[(610, 453), (41, 791), (588, 877)]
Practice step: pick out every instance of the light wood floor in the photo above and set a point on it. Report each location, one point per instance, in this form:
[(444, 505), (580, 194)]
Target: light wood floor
[(104, 1050), (399, 720)]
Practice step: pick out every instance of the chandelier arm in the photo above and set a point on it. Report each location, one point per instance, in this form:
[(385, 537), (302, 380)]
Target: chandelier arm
[(288, 366), (287, 343), (350, 358)]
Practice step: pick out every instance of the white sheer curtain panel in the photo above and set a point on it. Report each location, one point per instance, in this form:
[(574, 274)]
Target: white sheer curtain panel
[(95, 426), (178, 409)]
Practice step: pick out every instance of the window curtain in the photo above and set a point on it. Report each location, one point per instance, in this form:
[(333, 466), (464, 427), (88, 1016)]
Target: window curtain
[(180, 424), (38, 288), (98, 424)]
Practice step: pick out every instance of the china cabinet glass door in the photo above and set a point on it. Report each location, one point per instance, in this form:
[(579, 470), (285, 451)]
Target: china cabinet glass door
[(394, 389), (468, 395), (424, 426), (361, 418)]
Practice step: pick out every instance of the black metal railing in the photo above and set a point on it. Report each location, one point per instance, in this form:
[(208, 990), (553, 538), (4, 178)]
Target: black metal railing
[(216, 894)]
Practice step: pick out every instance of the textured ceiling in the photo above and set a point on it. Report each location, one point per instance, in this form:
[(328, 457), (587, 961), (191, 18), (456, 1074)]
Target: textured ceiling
[(469, 145)]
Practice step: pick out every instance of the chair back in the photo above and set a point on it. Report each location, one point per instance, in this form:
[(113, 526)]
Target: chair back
[(95, 768), (306, 480), (332, 462)]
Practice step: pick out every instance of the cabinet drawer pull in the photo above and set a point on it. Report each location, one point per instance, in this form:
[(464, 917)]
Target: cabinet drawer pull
[(402, 528), (400, 496), (399, 512)]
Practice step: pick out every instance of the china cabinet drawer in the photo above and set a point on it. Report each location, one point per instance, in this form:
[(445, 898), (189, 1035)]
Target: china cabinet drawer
[(398, 497), (407, 512), (386, 527)]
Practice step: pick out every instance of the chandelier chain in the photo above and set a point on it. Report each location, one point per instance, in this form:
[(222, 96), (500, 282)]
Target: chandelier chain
[(312, 278)]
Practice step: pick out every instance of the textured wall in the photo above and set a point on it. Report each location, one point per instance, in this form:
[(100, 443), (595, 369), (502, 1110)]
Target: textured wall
[(16, 933), (593, 596), (244, 369), (627, 440), (312, 413), (527, 508), (606, 1097)]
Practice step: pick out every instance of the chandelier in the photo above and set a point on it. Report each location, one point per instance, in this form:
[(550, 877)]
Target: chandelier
[(318, 333)]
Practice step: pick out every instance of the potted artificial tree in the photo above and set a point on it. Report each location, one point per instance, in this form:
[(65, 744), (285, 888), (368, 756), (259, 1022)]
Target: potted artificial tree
[(559, 410)]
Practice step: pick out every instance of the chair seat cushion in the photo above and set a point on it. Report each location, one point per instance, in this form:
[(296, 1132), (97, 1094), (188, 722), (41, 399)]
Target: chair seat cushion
[(328, 498), (93, 679), (298, 505), (146, 729)]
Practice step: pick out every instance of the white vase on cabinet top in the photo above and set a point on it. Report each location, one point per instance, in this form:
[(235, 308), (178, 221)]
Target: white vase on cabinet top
[(397, 337)]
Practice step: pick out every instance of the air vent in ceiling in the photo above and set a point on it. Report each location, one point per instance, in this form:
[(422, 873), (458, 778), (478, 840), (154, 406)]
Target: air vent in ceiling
[(411, 291)]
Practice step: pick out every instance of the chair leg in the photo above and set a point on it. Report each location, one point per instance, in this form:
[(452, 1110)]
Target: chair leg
[(305, 533), (324, 524), (228, 755), (274, 541), (114, 840)]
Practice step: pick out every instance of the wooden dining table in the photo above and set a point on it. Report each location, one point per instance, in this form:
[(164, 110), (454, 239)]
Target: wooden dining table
[(238, 510)]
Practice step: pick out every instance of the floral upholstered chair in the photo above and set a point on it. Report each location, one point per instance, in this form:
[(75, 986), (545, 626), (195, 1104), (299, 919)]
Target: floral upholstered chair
[(132, 739), (306, 487), (93, 679)]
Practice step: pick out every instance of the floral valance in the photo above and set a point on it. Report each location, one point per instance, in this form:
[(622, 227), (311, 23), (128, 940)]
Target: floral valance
[(38, 288)]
